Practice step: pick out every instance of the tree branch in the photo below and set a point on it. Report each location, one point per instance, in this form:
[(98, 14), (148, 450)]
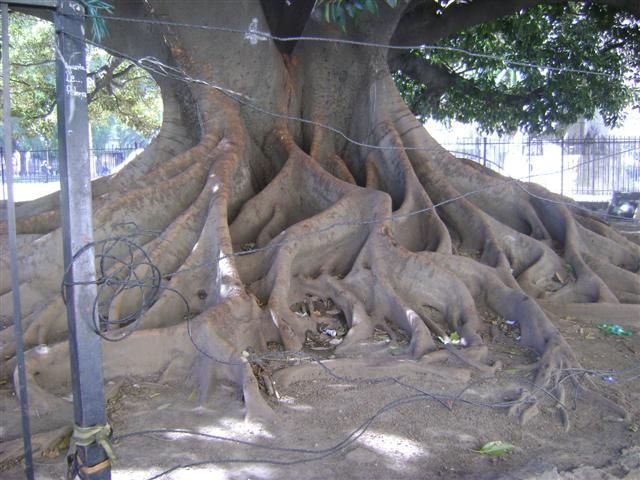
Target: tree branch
[(422, 24), (438, 79), (18, 81), (49, 111), (122, 83), (106, 81), (34, 64), (631, 6), (107, 68)]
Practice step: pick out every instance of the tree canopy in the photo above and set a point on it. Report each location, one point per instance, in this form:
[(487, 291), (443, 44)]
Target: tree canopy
[(536, 70), (121, 95)]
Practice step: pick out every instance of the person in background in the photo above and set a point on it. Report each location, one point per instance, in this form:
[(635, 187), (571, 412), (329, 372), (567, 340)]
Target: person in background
[(44, 169)]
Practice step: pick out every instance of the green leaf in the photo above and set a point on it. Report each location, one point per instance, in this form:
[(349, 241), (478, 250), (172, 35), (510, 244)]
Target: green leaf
[(98, 23), (371, 5), (350, 11), (327, 12), (495, 448), (338, 15), (500, 95), (392, 3)]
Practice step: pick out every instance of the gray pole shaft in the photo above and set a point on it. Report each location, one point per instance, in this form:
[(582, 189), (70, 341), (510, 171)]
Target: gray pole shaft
[(85, 346), (562, 166), (13, 250), (484, 151)]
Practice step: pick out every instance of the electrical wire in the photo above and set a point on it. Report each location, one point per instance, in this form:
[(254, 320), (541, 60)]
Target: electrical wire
[(126, 325), (315, 454), (107, 254), (624, 375), (129, 267), (393, 217), (350, 439), (254, 33), (156, 66), (171, 72), (117, 261)]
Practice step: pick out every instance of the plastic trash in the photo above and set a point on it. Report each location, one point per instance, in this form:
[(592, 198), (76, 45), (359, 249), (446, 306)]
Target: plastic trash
[(495, 448), (453, 339), (332, 332), (615, 329)]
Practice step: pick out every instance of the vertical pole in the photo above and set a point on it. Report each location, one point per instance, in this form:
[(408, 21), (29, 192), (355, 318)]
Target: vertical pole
[(529, 157), (13, 248), (484, 152), (85, 346), (595, 167), (562, 166), (2, 162)]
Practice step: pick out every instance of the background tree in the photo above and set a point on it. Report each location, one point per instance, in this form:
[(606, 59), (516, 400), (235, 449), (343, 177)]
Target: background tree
[(290, 172), (121, 94), (500, 86)]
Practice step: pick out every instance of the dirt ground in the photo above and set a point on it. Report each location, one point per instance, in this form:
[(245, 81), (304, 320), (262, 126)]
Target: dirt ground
[(381, 422)]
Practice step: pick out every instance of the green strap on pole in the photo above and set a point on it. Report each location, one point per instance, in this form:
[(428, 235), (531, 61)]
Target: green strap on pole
[(100, 434)]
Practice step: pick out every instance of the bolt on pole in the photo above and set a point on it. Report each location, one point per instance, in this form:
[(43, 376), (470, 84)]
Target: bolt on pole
[(85, 346)]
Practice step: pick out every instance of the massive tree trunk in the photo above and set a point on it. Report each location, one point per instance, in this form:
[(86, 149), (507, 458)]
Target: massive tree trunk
[(291, 174)]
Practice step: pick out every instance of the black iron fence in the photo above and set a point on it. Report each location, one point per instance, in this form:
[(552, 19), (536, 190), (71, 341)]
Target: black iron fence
[(595, 167), (491, 153), (41, 166), (603, 165)]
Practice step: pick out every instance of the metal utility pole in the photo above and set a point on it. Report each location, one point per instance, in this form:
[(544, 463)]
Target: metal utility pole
[(91, 431), (13, 248)]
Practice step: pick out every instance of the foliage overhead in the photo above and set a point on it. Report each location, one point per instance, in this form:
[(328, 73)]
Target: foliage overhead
[(117, 88), (339, 11), (94, 9), (501, 94)]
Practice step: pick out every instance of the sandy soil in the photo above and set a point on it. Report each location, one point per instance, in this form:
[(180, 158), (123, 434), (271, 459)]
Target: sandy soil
[(23, 192)]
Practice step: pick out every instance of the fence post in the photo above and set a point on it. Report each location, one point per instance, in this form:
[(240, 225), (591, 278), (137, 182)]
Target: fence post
[(2, 162), (562, 166), (529, 157), (484, 152), (90, 458)]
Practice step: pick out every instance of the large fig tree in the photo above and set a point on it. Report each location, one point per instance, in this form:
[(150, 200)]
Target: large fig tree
[(290, 186)]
